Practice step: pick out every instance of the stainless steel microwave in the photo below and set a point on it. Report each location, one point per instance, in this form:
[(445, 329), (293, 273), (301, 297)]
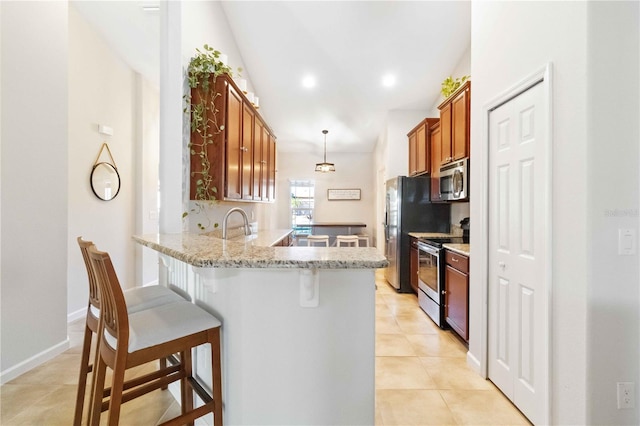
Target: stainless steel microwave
[(454, 180)]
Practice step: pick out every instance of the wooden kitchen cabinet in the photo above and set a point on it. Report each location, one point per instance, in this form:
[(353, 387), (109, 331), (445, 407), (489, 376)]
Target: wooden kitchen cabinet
[(456, 277), (455, 124), (285, 242), (233, 130), (242, 154), (260, 161), (246, 151), (271, 167), (435, 144), (419, 147), (414, 263)]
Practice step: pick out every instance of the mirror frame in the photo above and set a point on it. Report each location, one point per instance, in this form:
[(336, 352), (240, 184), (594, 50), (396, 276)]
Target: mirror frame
[(93, 185)]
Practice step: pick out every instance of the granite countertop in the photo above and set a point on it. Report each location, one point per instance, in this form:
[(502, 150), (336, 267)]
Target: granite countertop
[(458, 248), (209, 251), (430, 235), (265, 238)]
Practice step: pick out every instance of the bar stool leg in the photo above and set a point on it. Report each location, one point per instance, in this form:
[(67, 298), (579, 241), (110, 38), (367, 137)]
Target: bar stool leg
[(186, 393), (82, 380), (115, 400), (216, 379), (99, 372)]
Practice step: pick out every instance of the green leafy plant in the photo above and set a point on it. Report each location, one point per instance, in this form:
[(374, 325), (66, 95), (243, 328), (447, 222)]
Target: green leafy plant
[(202, 72), (449, 85)]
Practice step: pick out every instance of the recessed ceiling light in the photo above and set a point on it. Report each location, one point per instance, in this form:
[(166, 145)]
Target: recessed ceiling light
[(389, 80), (309, 81)]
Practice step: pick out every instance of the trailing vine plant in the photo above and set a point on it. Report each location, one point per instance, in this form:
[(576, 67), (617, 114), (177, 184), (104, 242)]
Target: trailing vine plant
[(202, 72)]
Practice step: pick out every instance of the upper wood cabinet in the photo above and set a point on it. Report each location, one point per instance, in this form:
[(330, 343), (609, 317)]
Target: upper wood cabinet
[(242, 155), (455, 124), (419, 147), (435, 142)]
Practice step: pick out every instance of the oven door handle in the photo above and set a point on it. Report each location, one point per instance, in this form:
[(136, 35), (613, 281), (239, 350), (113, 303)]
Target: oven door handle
[(427, 248)]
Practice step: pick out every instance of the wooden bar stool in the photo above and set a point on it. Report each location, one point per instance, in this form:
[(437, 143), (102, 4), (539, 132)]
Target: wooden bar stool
[(129, 340), (137, 299), (312, 240), (348, 240)]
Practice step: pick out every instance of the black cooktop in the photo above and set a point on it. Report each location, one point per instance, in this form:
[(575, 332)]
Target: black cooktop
[(439, 241)]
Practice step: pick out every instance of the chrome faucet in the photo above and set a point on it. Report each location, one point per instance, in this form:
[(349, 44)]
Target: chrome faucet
[(247, 228)]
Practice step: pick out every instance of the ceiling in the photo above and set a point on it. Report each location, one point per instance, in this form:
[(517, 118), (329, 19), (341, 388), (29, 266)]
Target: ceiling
[(348, 46)]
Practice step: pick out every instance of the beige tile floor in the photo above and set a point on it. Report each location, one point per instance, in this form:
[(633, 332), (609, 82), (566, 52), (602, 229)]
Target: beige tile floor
[(421, 379)]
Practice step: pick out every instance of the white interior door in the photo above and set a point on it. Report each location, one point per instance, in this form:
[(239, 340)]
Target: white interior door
[(518, 253)]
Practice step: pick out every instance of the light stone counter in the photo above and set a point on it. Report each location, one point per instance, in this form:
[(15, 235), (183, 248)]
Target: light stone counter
[(207, 251), (458, 248), (430, 235)]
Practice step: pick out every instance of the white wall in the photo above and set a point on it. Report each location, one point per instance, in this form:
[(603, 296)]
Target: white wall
[(594, 292), (613, 129), (102, 91), (34, 184), (353, 170)]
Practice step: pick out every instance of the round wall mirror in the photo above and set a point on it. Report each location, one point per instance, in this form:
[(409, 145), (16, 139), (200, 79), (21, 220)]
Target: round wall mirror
[(105, 181)]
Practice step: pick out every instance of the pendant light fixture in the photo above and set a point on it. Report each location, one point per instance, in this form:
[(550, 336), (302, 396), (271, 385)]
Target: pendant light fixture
[(325, 167)]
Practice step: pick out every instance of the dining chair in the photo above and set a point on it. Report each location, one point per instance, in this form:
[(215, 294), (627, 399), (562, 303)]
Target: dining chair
[(128, 340), (348, 240), (137, 299), (313, 240)]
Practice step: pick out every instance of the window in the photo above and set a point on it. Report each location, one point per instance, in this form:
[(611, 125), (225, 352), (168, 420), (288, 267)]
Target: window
[(302, 202)]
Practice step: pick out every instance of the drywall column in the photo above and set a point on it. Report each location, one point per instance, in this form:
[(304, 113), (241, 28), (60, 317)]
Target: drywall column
[(34, 184), (613, 350), (171, 145)]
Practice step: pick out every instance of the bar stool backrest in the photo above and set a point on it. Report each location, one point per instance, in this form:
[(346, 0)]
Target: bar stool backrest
[(114, 308), (349, 240), (94, 299), (320, 239)]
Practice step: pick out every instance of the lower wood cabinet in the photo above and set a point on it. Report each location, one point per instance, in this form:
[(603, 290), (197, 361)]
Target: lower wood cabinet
[(456, 276), (285, 242)]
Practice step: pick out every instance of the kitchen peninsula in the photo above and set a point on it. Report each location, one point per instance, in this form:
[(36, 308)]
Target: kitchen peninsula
[(298, 324)]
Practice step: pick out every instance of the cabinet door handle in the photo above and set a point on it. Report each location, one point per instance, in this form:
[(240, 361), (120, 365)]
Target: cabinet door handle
[(453, 259)]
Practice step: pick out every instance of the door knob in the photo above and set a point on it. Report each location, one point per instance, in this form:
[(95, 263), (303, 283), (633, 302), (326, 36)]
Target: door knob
[(502, 265)]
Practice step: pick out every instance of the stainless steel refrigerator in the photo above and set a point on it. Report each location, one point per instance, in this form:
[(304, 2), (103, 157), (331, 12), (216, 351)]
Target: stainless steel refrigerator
[(408, 208)]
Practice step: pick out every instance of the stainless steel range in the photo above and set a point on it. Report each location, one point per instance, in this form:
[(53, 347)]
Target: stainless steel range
[(431, 276)]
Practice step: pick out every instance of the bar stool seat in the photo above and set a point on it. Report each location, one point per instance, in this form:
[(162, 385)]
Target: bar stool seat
[(349, 240), (130, 340), (312, 240)]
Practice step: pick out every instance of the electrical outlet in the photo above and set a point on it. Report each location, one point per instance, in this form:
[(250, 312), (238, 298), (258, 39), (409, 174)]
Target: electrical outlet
[(626, 395)]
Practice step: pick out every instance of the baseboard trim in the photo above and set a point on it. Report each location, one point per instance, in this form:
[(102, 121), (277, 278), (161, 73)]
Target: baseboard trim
[(79, 314), (474, 363), (31, 363)]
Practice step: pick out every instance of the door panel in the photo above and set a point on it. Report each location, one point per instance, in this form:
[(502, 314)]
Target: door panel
[(518, 337), (234, 140), (246, 156)]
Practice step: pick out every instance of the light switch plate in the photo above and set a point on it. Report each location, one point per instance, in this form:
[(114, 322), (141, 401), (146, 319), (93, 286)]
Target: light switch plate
[(626, 242)]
